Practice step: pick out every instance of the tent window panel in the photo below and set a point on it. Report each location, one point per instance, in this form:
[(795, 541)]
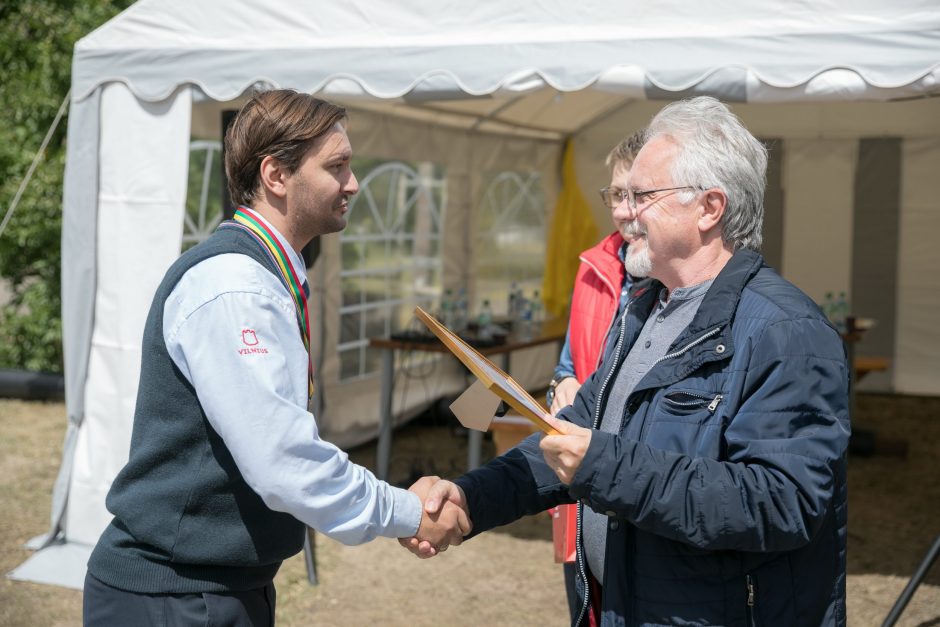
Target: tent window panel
[(377, 322), (398, 248), (352, 291), (352, 254), (402, 315), (349, 363), (391, 253), (415, 284), (372, 360), (203, 193), (511, 233), (375, 289), (379, 254), (350, 327)]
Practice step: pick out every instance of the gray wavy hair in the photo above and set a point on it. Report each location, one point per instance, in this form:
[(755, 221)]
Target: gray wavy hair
[(715, 150)]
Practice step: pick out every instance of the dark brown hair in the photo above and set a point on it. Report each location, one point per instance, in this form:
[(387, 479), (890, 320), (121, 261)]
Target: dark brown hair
[(281, 123)]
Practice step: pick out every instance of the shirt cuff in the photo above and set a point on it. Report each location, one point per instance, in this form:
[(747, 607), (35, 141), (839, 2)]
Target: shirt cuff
[(408, 510)]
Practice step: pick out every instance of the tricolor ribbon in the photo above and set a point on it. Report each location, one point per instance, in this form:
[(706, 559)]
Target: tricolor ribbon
[(248, 221)]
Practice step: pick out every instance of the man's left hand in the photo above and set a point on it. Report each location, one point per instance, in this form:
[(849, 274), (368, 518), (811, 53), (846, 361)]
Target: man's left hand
[(564, 453)]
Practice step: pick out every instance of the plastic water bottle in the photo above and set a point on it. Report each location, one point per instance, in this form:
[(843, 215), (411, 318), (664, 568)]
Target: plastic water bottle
[(485, 322), (538, 315), (525, 323), (521, 304), (841, 312), (461, 312), (511, 305)]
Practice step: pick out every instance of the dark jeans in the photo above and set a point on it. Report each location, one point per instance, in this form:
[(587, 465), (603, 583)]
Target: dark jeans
[(105, 606)]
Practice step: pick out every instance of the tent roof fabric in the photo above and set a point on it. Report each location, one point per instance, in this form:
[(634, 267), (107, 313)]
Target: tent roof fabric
[(481, 58)]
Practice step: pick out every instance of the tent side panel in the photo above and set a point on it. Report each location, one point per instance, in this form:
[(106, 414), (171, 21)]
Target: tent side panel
[(917, 353), (772, 247), (79, 216), (875, 246), (141, 198), (818, 179)]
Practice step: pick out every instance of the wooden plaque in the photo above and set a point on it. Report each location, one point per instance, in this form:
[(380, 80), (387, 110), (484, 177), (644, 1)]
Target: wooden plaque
[(486, 371)]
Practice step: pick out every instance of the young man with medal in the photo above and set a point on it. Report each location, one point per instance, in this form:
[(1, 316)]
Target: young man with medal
[(226, 466)]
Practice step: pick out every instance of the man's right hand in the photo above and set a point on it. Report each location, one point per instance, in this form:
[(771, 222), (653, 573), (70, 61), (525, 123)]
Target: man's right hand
[(565, 391), (445, 520)]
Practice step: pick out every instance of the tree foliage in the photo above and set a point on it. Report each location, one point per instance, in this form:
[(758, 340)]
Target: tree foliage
[(36, 42)]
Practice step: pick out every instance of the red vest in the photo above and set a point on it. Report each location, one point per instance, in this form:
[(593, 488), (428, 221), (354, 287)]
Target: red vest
[(594, 303)]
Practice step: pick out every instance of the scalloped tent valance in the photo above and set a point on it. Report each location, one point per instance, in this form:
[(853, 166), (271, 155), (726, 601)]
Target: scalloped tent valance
[(486, 55)]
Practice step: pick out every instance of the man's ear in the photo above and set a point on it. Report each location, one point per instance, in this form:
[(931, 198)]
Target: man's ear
[(714, 202), (273, 177)]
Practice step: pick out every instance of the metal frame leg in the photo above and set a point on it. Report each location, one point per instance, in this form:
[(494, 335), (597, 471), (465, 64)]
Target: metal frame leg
[(310, 555), (474, 437), (474, 445), (912, 585), (385, 426)]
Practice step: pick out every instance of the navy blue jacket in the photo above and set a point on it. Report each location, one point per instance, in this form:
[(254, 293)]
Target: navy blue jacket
[(726, 486)]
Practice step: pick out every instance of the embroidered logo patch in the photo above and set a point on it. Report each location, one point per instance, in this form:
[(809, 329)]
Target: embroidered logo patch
[(250, 340), (249, 337)]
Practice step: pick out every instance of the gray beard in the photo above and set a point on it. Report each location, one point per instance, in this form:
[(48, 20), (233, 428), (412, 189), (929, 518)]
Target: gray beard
[(638, 264)]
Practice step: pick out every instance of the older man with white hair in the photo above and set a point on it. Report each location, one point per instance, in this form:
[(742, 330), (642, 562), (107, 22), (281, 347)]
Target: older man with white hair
[(708, 452)]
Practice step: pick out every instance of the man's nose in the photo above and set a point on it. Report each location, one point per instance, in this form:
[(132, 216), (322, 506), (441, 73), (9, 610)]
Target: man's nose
[(352, 184), (623, 211)]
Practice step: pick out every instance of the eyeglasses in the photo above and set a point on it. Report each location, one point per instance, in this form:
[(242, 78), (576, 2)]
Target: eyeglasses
[(612, 196)]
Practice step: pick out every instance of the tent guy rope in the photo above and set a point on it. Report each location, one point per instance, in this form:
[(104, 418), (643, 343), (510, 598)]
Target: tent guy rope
[(32, 166)]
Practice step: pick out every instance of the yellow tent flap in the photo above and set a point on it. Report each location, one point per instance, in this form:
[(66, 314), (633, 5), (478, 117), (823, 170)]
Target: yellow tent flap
[(572, 230)]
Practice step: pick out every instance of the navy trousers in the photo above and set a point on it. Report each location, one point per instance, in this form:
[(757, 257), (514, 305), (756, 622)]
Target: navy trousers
[(105, 606)]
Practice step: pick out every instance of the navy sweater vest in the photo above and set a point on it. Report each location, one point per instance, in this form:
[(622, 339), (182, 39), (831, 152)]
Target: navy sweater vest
[(185, 521)]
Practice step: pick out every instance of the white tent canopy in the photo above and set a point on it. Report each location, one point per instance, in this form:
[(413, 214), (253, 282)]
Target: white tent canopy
[(474, 86), (506, 53)]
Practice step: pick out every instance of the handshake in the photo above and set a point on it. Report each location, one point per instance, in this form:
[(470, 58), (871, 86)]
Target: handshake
[(445, 519), (446, 516)]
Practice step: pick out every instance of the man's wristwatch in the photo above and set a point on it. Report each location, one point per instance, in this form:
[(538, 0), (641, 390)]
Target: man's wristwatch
[(550, 395)]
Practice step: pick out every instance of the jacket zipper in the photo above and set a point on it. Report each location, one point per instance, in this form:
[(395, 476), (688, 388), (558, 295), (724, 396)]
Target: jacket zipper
[(597, 416), (678, 353), (686, 348), (600, 353), (579, 549), (751, 599), (712, 406), (610, 373)]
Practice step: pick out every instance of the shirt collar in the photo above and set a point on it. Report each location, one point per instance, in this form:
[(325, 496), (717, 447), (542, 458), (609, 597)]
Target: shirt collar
[(294, 258), (681, 294)]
